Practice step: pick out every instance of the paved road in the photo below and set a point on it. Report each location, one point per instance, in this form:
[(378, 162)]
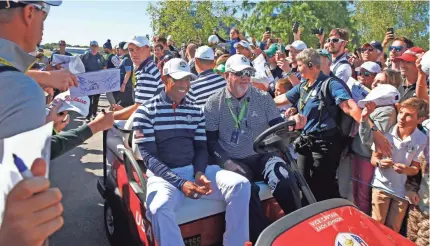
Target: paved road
[(76, 173)]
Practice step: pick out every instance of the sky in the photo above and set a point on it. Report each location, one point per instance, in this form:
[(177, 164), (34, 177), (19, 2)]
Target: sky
[(79, 22)]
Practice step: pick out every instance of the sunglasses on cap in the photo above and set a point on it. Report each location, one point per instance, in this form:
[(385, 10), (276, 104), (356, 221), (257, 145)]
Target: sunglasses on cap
[(364, 73), (396, 48), (334, 40), (367, 49), (244, 73)]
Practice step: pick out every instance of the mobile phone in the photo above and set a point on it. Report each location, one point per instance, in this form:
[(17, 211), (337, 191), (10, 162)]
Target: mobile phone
[(357, 52), (296, 26), (390, 30), (268, 29), (315, 31)]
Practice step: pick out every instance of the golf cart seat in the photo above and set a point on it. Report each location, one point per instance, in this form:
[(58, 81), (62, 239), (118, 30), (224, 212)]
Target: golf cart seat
[(190, 210)]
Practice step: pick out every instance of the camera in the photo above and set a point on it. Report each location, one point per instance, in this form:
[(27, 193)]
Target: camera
[(318, 31), (268, 29)]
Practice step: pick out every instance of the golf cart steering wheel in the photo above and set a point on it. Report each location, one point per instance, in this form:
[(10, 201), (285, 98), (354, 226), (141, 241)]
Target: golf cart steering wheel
[(276, 137)]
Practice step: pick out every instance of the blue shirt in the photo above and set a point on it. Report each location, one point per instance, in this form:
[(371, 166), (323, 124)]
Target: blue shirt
[(171, 136), (232, 43), (309, 98), (126, 65)]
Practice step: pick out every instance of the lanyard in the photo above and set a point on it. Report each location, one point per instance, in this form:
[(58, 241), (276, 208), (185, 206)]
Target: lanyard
[(303, 101), (237, 119), (7, 63)]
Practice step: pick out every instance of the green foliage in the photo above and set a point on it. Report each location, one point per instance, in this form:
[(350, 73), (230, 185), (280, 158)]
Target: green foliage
[(311, 14), (409, 19), (180, 18)]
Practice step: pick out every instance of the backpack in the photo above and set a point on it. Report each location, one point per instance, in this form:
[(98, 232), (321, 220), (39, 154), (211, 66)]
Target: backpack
[(344, 123)]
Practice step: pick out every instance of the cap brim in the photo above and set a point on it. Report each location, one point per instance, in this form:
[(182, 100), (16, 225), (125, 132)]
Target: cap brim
[(181, 75), (53, 3), (405, 58)]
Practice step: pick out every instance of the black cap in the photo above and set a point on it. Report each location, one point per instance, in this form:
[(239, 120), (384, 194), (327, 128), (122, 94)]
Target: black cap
[(108, 45), (121, 45)]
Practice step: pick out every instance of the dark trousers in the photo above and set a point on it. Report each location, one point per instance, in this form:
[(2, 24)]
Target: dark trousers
[(318, 161), (126, 97), (94, 104), (274, 172)]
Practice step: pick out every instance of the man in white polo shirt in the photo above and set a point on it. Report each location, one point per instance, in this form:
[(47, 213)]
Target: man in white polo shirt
[(208, 81)]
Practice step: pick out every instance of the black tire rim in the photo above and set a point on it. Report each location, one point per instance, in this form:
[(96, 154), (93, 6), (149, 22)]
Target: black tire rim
[(110, 225)]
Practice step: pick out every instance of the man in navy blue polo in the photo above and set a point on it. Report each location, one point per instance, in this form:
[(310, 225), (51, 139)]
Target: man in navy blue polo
[(170, 133), (148, 79)]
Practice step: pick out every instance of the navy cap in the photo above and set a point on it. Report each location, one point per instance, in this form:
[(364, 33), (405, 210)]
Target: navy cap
[(375, 44), (121, 45), (107, 45), (94, 43)]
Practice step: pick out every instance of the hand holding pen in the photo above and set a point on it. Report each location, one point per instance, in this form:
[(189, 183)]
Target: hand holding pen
[(33, 210)]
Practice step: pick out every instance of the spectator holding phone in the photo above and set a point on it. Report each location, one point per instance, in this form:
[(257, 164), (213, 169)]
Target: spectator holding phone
[(397, 48)]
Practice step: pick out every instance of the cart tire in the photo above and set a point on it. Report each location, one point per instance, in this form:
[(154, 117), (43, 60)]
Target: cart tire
[(115, 225)]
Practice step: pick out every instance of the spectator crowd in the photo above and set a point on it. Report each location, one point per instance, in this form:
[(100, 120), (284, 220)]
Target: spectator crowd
[(213, 100)]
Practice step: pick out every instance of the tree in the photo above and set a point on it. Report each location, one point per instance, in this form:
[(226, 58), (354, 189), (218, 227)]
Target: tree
[(189, 20), (280, 17), (408, 18)]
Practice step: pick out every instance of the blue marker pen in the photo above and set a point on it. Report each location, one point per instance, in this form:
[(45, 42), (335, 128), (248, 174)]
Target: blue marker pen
[(26, 174), (22, 168)]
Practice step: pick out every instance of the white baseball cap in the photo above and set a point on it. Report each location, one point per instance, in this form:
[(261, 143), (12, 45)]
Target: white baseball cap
[(80, 105), (238, 63), (382, 95), (177, 69), (298, 45), (205, 53), (213, 39), (140, 41), (370, 66), (244, 44), (425, 63)]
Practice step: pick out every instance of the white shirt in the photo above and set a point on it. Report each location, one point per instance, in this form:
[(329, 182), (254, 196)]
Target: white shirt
[(343, 71), (404, 151)]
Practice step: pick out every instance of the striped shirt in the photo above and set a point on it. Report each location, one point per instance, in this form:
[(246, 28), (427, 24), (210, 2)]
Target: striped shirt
[(205, 86), (148, 81), (171, 136)]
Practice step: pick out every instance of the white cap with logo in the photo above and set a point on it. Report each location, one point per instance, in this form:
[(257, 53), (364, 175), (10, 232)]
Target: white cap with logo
[(382, 95), (139, 41), (238, 63), (205, 53), (243, 43), (370, 66), (177, 69), (80, 105)]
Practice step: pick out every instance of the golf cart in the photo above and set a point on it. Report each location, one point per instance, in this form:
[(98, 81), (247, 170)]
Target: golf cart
[(123, 186)]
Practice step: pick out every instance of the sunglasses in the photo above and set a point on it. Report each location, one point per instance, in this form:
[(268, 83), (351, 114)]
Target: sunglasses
[(397, 48), (334, 40), (247, 73), (367, 49), (364, 73), (41, 6)]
